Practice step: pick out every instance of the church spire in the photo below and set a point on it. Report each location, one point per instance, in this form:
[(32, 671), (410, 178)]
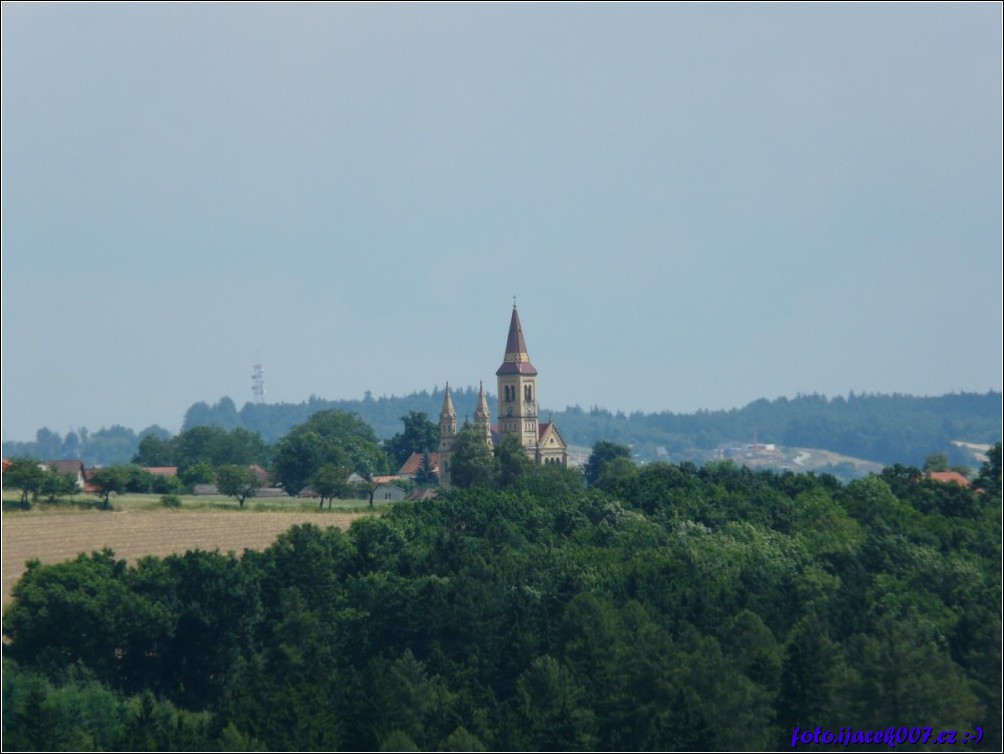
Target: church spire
[(448, 415), (516, 360), (447, 436), (483, 416)]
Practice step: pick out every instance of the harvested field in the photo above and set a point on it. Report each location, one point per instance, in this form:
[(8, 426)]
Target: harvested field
[(54, 537)]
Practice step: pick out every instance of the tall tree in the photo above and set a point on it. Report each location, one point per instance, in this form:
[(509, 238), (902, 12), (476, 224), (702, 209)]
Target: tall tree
[(473, 464), (328, 437), (238, 482), (604, 452), (110, 481), (330, 482), (156, 451), (936, 462), (511, 461), (989, 479), (426, 476), (419, 435), (25, 475), (56, 484)]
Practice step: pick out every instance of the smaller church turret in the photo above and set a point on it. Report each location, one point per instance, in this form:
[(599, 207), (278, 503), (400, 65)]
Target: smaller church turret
[(447, 437), (483, 416)]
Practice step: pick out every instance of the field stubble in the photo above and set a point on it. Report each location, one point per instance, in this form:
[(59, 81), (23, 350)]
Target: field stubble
[(55, 536)]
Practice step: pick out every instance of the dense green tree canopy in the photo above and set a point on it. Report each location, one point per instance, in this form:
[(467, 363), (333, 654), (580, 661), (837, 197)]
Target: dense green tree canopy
[(710, 608), (604, 453), (327, 438), (473, 464)]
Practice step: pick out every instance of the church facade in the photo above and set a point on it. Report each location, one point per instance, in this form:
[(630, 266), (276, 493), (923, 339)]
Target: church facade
[(518, 413)]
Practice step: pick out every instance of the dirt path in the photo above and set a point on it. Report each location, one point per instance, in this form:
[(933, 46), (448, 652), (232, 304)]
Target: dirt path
[(132, 534)]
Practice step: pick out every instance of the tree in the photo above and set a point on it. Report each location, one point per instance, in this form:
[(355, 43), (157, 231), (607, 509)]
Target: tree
[(473, 464), (903, 674), (327, 437), (604, 452), (239, 482), (365, 489), (936, 462), (156, 451), (199, 473), (425, 476), (109, 481), (617, 477), (198, 445), (989, 479), (55, 484), (330, 482), (553, 708), (26, 475), (511, 461), (139, 480), (419, 435), (298, 457), (216, 447)]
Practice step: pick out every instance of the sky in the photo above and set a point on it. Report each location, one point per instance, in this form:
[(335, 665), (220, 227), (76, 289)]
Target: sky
[(696, 206)]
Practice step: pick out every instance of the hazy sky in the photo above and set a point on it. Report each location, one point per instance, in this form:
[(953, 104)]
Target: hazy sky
[(696, 206)]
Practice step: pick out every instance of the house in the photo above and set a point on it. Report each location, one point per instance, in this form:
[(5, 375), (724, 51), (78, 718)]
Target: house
[(948, 477), (161, 471), (388, 493), (410, 468), (73, 469)]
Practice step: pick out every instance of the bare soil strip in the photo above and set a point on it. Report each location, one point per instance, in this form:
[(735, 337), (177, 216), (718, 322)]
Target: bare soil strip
[(133, 534)]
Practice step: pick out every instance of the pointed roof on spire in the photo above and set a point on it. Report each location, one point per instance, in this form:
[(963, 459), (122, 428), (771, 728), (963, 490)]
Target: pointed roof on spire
[(517, 360), (447, 409), (482, 413)]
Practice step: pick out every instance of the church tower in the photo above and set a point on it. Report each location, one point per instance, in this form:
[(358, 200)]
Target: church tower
[(447, 437), (483, 417), (518, 413), (517, 382)]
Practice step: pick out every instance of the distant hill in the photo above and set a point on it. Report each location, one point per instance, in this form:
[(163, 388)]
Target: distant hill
[(882, 429), (885, 429)]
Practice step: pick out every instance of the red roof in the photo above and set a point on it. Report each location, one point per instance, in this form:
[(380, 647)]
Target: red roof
[(162, 470), (515, 342), (948, 477), (414, 463)]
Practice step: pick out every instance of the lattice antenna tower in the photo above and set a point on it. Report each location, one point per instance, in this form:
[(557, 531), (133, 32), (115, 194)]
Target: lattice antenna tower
[(258, 383)]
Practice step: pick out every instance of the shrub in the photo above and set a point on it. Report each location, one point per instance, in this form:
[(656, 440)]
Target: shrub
[(171, 501)]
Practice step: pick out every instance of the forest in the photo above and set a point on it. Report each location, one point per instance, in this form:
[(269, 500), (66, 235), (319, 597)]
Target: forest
[(661, 607), (887, 429)]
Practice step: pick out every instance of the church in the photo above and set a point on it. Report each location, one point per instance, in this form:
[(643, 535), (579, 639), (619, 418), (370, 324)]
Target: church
[(517, 410)]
